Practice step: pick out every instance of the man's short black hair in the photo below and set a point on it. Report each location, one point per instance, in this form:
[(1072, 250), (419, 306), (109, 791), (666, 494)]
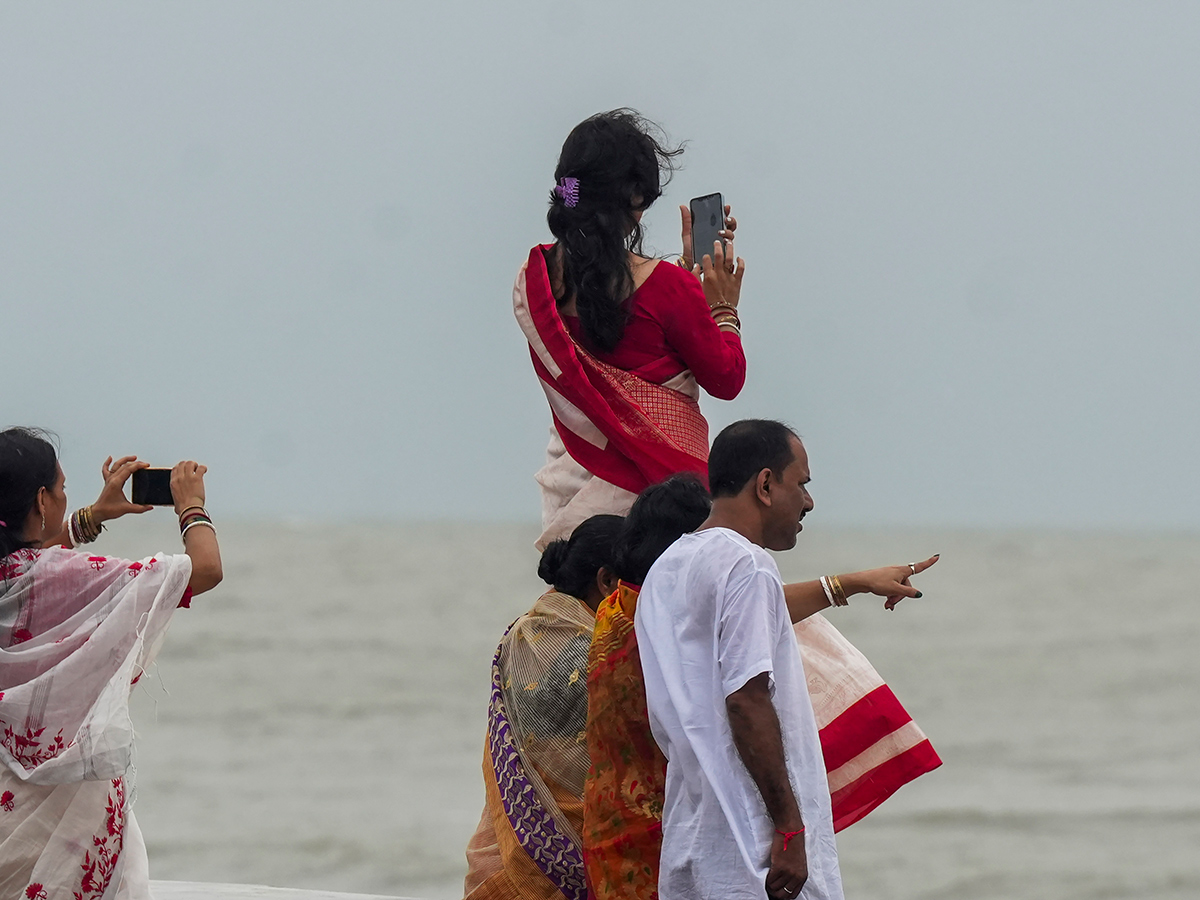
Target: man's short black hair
[(744, 449)]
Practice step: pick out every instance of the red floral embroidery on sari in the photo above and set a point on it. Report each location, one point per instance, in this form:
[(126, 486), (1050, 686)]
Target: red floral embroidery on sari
[(35, 892), (28, 749), (100, 863), (134, 568), (20, 636), (7, 801), (20, 560), (97, 562)]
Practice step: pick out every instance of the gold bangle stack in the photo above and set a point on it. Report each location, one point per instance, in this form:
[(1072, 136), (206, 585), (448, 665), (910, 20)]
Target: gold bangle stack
[(724, 314), (839, 593), (82, 527)]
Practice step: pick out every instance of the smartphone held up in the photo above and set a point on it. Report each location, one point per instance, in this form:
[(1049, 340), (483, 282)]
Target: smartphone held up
[(708, 221), (152, 487)]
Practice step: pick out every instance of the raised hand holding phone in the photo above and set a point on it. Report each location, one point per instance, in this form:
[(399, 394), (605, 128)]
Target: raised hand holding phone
[(112, 504), (689, 241)]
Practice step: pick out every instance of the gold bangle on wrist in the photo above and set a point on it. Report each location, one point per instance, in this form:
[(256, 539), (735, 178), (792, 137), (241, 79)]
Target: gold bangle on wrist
[(82, 526), (839, 593)]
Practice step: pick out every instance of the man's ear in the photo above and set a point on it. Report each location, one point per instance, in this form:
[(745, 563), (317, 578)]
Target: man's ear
[(762, 486)]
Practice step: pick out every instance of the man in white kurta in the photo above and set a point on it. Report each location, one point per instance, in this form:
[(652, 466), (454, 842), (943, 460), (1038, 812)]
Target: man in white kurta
[(711, 618)]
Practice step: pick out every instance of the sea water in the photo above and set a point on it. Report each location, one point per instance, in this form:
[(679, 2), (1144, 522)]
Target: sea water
[(317, 721)]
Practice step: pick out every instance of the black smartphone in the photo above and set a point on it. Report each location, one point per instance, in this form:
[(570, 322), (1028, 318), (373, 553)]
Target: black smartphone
[(152, 487), (708, 220)]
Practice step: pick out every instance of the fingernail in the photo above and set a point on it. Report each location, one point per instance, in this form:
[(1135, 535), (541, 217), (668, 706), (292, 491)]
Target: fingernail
[(919, 595)]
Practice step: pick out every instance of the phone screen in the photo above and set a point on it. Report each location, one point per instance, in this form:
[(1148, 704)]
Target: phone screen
[(708, 219), (152, 487)]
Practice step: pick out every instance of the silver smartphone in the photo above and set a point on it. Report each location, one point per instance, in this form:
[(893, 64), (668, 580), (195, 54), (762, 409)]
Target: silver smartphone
[(708, 221)]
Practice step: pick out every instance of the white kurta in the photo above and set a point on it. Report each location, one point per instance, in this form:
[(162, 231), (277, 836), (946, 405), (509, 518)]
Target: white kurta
[(711, 615)]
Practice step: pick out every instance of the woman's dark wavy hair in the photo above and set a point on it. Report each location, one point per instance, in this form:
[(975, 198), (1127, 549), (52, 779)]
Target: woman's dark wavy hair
[(661, 514), (571, 564), (620, 159), (28, 463)]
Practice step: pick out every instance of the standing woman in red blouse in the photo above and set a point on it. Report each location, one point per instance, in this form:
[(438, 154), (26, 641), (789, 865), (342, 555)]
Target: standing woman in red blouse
[(622, 342)]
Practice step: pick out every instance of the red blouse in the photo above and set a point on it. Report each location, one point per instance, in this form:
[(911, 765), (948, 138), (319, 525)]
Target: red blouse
[(670, 329)]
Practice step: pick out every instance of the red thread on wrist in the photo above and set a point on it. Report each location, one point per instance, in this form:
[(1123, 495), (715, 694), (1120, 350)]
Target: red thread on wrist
[(788, 835)]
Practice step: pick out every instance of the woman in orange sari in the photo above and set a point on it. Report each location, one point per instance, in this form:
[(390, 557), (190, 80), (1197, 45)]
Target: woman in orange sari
[(623, 794)]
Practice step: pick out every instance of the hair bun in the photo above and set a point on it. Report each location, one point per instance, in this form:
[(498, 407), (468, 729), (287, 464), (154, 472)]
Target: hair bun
[(553, 557)]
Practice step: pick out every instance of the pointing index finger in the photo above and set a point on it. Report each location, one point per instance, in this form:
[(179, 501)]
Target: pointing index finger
[(922, 566)]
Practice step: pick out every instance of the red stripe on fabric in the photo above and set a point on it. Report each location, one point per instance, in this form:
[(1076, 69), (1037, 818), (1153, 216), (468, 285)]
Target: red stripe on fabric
[(861, 796), (863, 724), (634, 461)]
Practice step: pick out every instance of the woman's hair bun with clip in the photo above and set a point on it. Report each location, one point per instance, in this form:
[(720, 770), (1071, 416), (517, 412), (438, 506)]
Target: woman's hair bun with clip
[(553, 557)]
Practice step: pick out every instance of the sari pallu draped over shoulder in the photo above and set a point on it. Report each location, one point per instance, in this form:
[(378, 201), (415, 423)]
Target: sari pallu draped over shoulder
[(870, 744), (535, 759), (619, 427), (76, 631)]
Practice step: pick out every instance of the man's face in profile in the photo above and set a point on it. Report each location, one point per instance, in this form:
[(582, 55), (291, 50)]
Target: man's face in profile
[(790, 501)]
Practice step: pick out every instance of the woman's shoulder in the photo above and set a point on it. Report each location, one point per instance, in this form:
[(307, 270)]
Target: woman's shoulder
[(665, 271), (667, 286)]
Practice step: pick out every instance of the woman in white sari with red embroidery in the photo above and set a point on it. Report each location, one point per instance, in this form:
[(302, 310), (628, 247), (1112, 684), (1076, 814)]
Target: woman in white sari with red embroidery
[(77, 630), (621, 343)]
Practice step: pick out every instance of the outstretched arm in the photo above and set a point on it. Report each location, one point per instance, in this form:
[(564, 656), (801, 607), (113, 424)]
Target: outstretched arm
[(807, 597), (759, 742)]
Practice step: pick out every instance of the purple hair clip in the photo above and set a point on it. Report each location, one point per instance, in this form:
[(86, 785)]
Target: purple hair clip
[(3, 524), (567, 190)]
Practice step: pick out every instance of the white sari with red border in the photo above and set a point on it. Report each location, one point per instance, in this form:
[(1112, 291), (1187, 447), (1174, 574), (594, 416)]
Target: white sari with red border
[(76, 631)]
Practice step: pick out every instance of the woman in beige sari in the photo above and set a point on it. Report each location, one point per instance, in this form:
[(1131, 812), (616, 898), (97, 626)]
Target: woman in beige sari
[(535, 759)]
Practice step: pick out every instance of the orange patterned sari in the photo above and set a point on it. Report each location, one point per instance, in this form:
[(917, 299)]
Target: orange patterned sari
[(626, 783)]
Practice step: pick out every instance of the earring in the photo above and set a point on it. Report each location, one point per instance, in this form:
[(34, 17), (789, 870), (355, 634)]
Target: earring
[(43, 522)]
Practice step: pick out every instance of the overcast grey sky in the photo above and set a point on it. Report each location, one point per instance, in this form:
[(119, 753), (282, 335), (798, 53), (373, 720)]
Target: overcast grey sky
[(281, 238)]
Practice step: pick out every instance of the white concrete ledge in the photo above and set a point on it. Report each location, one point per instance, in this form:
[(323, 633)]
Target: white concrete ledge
[(196, 890)]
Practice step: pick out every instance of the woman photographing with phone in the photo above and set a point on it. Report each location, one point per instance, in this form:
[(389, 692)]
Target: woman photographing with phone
[(622, 342), (77, 630)]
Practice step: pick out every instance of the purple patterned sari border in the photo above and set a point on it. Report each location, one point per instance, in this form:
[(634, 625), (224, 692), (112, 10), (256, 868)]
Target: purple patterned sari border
[(554, 853)]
